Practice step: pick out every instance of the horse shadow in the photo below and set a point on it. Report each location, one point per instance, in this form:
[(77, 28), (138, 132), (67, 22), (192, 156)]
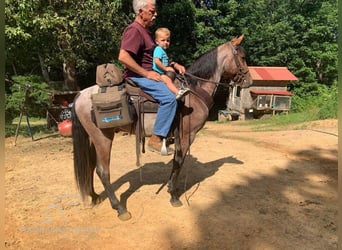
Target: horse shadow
[(193, 173)]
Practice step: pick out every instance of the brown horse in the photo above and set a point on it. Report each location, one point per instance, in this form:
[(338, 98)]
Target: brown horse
[(92, 146)]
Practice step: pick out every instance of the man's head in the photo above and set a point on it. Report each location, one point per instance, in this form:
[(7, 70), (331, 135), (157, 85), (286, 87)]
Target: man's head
[(145, 11), (141, 4)]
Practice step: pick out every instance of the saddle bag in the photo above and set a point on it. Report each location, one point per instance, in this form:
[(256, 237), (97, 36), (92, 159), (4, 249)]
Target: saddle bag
[(111, 107), (108, 75)]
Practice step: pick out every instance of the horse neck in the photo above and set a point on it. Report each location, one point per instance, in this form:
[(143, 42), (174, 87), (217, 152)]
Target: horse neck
[(222, 60)]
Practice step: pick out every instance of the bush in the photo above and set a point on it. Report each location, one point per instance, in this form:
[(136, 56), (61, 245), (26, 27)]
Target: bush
[(37, 99), (316, 100)]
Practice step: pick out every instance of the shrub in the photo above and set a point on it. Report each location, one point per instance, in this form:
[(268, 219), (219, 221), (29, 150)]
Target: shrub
[(317, 100), (37, 99)]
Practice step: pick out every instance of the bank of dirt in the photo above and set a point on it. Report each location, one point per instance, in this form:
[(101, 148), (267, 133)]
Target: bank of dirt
[(242, 189)]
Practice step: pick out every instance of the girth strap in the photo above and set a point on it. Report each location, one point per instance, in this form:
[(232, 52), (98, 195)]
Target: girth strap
[(204, 96)]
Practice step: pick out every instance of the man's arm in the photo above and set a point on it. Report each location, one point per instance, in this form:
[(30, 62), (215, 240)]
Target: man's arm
[(180, 68), (130, 63)]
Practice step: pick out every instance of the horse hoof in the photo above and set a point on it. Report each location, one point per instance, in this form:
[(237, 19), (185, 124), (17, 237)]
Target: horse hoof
[(176, 203), (125, 216), (96, 201)]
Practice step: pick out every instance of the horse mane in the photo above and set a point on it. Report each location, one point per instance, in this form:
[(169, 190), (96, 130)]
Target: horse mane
[(205, 66)]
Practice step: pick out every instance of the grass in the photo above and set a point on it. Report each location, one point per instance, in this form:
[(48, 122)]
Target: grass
[(38, 128), (281, 121)]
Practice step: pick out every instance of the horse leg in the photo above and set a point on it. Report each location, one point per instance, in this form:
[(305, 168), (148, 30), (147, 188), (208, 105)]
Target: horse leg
[(172, 188), (104, 176), (178, 160), (103, 149), (95, 198), (182, 144)]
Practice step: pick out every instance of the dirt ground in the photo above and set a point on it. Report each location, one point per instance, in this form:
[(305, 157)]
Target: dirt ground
[(242, 189)]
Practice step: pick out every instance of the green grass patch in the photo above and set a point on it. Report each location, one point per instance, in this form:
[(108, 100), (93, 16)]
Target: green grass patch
[(282, 121), (38, 128)]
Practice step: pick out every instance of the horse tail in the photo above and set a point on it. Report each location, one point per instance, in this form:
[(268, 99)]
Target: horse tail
[(84, 156)]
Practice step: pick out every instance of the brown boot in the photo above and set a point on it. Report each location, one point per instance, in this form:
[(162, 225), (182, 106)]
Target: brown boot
[(155, 144)]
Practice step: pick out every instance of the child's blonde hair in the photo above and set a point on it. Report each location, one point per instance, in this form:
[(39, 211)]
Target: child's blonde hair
[(164, 31)]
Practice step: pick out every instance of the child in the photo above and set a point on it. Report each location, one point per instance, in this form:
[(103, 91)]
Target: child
[(161, 61)]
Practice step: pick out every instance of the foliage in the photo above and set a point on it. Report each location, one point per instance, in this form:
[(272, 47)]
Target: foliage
[(301, 35), (179, 17), (37, 98), (318, 99), (85, 33)]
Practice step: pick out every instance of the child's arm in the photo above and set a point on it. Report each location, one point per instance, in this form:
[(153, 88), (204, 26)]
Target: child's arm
[(161, 66)]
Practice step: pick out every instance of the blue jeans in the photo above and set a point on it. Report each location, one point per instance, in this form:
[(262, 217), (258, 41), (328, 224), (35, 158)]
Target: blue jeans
[(167, 103)]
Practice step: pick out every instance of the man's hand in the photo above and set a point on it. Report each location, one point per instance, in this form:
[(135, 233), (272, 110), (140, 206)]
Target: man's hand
[(179, 68), (153, 76)]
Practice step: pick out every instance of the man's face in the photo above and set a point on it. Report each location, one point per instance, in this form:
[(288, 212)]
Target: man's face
[(149, 14)]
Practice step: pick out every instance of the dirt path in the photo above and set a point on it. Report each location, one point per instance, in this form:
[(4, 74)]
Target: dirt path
[(243, 190)]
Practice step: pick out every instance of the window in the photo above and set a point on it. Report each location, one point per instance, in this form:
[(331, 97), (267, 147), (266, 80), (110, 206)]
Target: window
[(281, 102), (238, 91), (263, 101)]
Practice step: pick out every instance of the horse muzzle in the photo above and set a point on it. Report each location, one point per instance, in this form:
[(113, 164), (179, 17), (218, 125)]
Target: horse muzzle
[(242, 79)]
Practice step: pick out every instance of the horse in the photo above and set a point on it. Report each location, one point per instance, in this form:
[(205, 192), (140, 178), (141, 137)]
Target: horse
[(92, 146)]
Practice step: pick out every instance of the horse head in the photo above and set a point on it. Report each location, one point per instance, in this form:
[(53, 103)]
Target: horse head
[(237, 70)]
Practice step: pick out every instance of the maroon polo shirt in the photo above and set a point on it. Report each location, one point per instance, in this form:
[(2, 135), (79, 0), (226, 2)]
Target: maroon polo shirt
[(138, 42)]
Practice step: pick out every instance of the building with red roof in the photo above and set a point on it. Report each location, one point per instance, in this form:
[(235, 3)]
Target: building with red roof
[(267, 95)]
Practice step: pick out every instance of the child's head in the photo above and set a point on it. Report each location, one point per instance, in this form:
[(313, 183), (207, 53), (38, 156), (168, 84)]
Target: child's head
[(162, 37)]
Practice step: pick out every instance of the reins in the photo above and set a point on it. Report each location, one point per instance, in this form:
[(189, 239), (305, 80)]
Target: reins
[(201, 79), (239, 77)]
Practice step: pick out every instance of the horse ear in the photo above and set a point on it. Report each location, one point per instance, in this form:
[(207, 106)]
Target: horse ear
[(237, 40)]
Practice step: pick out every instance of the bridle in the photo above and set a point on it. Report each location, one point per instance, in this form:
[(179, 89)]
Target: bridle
[(238, 78)]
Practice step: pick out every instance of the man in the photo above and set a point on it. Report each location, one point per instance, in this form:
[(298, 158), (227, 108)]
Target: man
[(135, 53)]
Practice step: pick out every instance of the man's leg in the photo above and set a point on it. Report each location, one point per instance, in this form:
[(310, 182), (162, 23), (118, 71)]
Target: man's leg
[(166, 111)]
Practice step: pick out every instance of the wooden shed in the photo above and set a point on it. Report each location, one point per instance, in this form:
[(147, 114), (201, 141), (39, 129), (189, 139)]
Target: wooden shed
[(267, 95)]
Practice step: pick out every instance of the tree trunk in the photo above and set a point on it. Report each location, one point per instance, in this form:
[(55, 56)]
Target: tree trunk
[(69, 73), (45, 71)]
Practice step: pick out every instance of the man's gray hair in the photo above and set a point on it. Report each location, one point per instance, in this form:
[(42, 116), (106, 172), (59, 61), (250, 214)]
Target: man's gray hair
[(140, 4)]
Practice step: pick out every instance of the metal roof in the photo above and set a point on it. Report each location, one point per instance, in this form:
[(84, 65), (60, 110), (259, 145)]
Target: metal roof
[(271, 73)]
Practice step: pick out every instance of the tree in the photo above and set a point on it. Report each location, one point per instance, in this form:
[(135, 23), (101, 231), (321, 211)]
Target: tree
[(77, 34), (179, 17), (301, 35), (42, 35)]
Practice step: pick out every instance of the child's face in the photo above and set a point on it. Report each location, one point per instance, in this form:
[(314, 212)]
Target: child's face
[(163, 41)]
